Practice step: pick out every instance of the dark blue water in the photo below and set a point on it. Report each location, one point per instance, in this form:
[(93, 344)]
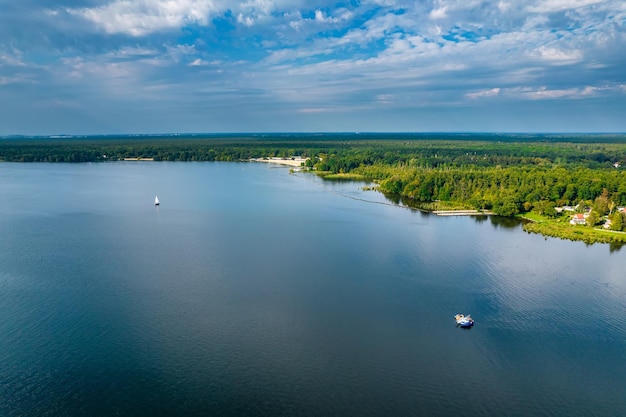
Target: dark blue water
[(251, 291)]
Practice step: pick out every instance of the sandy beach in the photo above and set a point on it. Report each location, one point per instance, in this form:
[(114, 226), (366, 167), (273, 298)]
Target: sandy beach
[(294, 162)]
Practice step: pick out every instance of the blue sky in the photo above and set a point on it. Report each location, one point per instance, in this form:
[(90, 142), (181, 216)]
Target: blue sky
[(168, 66)]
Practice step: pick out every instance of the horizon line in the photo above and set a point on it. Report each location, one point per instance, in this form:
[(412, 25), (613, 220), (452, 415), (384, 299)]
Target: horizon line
[(304, 133)]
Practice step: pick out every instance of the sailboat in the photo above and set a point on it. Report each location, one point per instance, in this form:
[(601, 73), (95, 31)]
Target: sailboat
[(156, 201)]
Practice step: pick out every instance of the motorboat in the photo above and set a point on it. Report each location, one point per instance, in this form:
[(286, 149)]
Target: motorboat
[(463, 320)]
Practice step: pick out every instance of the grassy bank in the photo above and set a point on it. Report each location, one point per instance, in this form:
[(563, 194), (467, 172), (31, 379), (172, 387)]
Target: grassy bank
[(562, 229)]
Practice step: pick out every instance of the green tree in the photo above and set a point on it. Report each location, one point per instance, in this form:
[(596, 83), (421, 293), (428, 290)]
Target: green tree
[(392, 185), (601, 203), (611, 206), (593, 218), (617, 221), (546, 208), (506, 207)]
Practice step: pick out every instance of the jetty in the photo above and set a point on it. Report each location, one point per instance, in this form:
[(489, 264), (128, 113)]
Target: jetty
[(462, 213)]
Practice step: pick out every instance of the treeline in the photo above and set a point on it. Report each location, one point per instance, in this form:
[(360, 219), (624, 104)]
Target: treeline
[(426, 154), (159, 149), (343, 152), (504, 190)]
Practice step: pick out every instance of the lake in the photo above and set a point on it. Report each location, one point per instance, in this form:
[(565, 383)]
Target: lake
[(251, 291)]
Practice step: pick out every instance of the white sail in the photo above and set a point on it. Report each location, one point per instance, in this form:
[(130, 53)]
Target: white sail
[(156, 201)]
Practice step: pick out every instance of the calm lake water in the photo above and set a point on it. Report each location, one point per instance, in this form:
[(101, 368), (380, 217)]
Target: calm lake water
[(251, 291)]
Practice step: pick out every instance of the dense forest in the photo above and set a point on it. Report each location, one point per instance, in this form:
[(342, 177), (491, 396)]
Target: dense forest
[(508, 174)]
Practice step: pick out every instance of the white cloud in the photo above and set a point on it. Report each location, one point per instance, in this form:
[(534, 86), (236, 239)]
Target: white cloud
[(504, 6), (178, 52), (321, 17), (385, 98), (590, 91), (557, 56), (138, 18), (545, 93), (382, 3), (141, 18), (134, 51), (199, 63), (314, 110), (108, 72), (245, 20), (439, 13), (484, 93), (16, 79), (551, 6), (13, 58)]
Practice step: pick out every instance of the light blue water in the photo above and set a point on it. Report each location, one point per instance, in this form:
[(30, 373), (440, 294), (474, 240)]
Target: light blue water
[(251, 291)]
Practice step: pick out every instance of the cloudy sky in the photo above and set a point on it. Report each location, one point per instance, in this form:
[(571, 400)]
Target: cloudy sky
[(166, 66)]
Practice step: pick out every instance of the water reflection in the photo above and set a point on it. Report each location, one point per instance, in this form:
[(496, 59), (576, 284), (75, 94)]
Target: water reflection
[(409, 203), (480, 219), (505, 222), (615, 246), (397, 199)]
